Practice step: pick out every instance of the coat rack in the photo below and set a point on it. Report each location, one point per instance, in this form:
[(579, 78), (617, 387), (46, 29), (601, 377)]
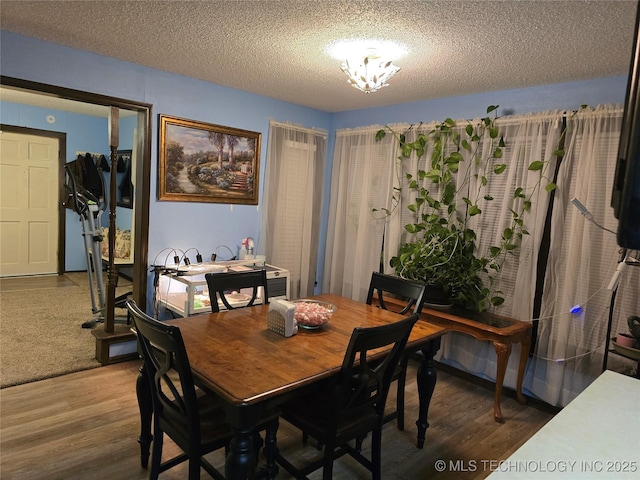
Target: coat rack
[(109, 336), (112, 279)]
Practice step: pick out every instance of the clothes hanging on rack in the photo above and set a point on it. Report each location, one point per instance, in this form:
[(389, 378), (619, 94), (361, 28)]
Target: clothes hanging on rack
[(120, 165), (86, 175), (126, 187), (77, 169), (104, 164), (91, 180)]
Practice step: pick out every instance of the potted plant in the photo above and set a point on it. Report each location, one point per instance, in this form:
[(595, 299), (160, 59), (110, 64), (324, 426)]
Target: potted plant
[(444, 259), (440, 247)]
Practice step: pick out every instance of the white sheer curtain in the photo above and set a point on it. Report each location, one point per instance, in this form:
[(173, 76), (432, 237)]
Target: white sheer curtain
[(290, 223), (362, 180), (528, 138), (360, 162), (582, 261), (395, 234)]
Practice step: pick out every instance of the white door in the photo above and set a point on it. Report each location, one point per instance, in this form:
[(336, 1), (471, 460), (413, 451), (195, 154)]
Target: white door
[(28, 204)]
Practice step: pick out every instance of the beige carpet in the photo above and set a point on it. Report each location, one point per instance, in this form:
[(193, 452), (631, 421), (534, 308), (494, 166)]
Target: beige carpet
[(40, 327)]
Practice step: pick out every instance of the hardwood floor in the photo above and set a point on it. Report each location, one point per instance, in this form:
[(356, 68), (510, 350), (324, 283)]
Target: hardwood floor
[(85, 426)]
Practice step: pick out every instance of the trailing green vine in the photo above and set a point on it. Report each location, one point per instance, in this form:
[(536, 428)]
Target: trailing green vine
[(443, 248)]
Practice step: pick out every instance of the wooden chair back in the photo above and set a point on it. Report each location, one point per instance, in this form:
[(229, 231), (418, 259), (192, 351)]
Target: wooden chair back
[(352, 403), (364, 381), (172, 387), (407, 291), (221, 283)]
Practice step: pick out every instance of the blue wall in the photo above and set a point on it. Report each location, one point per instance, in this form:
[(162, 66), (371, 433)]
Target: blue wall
[(204, 226), (563, 96), (171, 224)]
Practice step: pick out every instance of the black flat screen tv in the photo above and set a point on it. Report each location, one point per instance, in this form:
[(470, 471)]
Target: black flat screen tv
[(625, 198)]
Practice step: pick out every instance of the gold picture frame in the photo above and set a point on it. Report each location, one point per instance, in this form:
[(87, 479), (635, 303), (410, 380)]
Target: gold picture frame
[(203, 162)]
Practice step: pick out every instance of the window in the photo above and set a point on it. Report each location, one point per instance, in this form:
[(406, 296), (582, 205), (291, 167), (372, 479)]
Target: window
[(292, 202)]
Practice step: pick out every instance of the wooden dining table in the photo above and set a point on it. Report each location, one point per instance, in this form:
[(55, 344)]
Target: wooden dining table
[(254, 370)]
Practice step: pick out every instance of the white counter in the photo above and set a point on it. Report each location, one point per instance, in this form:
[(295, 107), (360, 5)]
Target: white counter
[(596, 436)]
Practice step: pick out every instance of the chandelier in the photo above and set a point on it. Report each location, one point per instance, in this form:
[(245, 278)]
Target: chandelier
[(369, 74)]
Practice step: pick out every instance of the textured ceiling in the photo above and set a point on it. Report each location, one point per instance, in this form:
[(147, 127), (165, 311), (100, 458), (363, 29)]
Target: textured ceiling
[(277, 47)]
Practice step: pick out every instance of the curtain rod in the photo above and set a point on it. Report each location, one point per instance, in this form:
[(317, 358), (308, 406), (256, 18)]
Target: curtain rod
[(550, 114), (315, 131)]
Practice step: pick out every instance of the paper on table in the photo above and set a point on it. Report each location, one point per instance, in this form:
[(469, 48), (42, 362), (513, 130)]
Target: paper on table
[(240, 268)]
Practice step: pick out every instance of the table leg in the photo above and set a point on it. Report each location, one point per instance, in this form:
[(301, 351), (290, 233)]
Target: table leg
[(502, 350), (525, 345), (145, 404), (426, 380), (241, 458), (270, 469)]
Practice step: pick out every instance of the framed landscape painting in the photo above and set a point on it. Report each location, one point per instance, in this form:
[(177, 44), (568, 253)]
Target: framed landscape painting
[(202, 162)]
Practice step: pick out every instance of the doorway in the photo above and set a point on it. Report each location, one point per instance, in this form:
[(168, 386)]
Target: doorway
[(139, 115)]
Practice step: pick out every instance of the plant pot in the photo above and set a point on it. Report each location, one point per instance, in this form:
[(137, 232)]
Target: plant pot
[(626, 340), (435, 297), (634, 326)]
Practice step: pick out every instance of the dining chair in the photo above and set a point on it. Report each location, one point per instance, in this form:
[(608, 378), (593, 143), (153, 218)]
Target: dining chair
[(352, 403), (408, 297), (193, 420), (221, 284)]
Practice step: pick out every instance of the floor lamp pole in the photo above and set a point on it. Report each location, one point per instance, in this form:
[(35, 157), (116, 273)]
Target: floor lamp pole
[(613, 286)]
